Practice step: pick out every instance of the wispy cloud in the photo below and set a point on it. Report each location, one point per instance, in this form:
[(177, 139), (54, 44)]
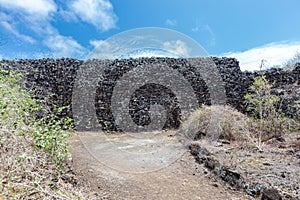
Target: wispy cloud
[(62, 46), (275, 54), (212, 34), (68, 15), (98, 43), (42, 8), (102, 49), (207, 30), (171, 22), (10, 24), (177, 47), (37, 17), (14, 31), (96, 12)]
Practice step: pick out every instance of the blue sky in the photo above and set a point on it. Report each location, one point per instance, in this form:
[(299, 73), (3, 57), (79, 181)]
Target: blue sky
[(250, 30)]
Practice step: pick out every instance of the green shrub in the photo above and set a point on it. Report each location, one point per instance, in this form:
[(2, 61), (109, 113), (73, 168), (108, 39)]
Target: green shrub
[(33, 150), (18, 110), (263, 108)]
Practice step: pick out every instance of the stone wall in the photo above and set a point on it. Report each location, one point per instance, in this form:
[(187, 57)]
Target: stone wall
[(56, 76)]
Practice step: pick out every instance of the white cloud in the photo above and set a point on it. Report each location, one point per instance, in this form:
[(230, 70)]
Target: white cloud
[(98, 43), (140, 53), (36, 16), (275, 54), (146, 55), (67, 15), (8, 23), (32, 15), (62, 46), (101, 47), (196, 28), (37, 7), (17, 33), (96, 12), (177, 47), (171, 22)]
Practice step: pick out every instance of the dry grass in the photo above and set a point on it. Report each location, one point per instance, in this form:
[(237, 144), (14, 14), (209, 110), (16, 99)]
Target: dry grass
[(33, 153), (29, 173), (216, 122), (224, 122)]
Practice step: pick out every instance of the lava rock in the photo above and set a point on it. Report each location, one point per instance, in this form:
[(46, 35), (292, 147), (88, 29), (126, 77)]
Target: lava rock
[(271, 194), (200, 153), (230, 176), (212, 163), (54, 78)]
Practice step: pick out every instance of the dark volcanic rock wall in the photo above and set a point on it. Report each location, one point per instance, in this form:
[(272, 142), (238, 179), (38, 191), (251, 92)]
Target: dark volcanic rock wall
[(57, 76), (49, 78), (149, 94)]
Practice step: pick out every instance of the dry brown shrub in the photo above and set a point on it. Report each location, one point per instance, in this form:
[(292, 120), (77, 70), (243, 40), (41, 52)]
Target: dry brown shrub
[(29, 173), (224, 122), (216, 122)]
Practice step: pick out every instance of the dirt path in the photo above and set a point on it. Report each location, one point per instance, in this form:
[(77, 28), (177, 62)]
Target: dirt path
[(126, 167)]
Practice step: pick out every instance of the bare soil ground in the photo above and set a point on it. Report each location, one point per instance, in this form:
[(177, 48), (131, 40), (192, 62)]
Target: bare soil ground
[(177, 176)]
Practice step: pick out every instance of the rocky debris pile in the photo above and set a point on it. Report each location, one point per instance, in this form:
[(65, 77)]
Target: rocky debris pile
[(271, 194), (57, 76), (230, 176)]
